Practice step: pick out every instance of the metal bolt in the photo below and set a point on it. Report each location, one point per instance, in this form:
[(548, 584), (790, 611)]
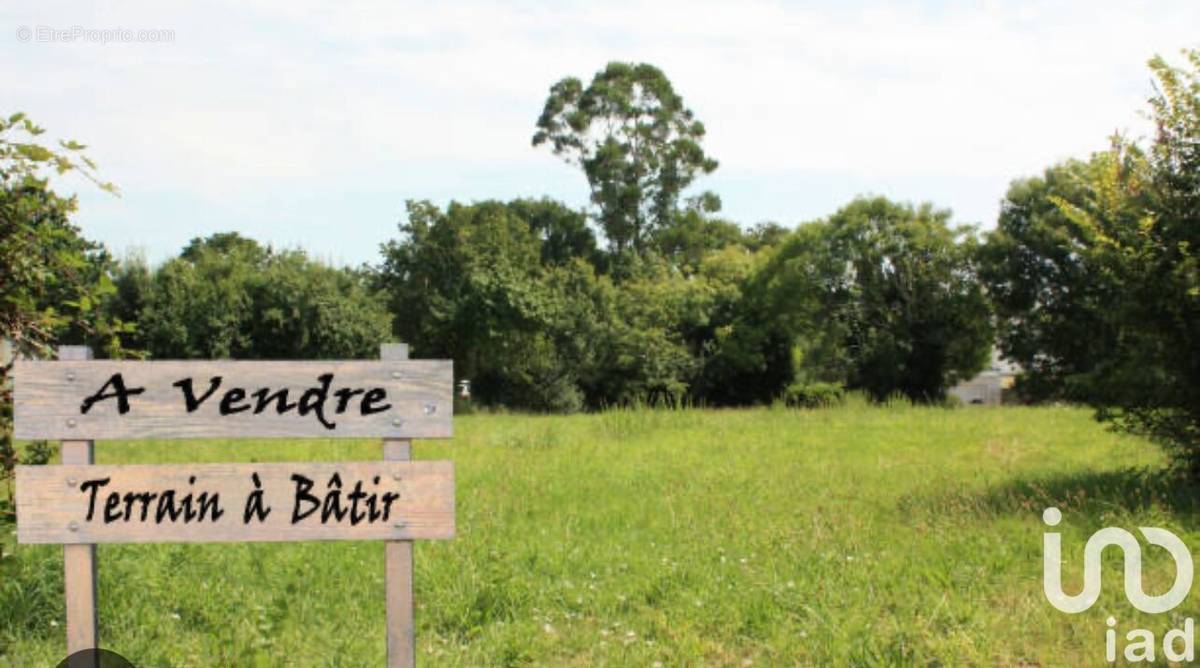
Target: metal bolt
[(430, 409), (73, 526), (71, 422), (396, 477), (396, 375), (401, 525), (70, 376), (397, 422), (71, 482)]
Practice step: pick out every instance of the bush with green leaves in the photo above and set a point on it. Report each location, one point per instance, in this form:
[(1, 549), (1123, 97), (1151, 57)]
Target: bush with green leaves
[(880, 297), (1052, 300), (813, 395), (229, 297), (468, 283), (1095, 274), (548, 331), (52, 280)]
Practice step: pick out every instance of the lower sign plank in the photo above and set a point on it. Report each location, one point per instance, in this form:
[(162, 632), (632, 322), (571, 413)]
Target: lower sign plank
[(185, 503)]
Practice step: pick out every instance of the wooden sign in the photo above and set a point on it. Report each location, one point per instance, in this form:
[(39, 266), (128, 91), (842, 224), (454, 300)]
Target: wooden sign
[(78, 400), (111, 399), (235, 502)]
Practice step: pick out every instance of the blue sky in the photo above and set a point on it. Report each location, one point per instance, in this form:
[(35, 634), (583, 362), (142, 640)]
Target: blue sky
[(309, 124)]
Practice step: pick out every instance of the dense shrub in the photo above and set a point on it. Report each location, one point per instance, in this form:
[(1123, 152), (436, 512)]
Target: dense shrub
[(227, 296), (813, 395)]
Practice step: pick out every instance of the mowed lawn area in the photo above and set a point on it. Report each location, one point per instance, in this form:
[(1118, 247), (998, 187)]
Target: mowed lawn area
[(854, 535)]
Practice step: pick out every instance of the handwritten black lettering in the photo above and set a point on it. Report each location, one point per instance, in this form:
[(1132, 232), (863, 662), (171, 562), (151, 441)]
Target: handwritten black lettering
[(314, 398), (303, 485), (265, 397), (333, 501), (254, 503), (344, 395), (229, 402), (375, 395), (335, 506), (94, 486), (119, 392), (189, 396), (167, 508), (167, 504)]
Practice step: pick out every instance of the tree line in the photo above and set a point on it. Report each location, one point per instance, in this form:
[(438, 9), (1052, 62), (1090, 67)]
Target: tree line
[(1089, 280)]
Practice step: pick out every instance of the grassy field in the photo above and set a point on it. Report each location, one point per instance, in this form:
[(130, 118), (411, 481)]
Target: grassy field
[(849, 536)]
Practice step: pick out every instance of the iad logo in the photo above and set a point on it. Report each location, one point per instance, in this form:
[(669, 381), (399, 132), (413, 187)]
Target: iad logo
[(1052, 565), (1140, 644)]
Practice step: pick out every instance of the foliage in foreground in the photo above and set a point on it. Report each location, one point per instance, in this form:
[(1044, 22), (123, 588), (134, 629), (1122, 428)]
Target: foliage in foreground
[(52, 280), (1095, 273)]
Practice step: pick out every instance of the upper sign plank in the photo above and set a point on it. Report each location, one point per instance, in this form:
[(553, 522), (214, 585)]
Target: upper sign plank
[(115, 399)]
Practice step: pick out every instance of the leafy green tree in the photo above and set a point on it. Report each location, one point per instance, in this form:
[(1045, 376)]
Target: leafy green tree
[(1139, 217), (880, 297), (1052, 301), (226, 244), (308, 310), (637, 143), (643, 352), (553, 334), (132, 282), (764, 235), (563, 231), (468, 283), (1164, 316), (695, 232), (765, 346), (199, 306), (227, 296), (645, 339), (52, 280), (1096, 279), (915, 318)]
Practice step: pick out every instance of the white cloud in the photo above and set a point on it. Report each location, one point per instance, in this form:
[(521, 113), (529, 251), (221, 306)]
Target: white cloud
[(257, 101)]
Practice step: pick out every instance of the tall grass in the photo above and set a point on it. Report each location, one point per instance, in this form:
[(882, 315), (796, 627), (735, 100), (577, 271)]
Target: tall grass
[(852, 535)]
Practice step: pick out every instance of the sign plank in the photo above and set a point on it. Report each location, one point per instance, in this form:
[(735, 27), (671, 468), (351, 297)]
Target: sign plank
[(117, 399), (187, 503)]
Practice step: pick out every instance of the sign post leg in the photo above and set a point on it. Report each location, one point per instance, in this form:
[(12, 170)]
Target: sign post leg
[(79, 559), (398, 557)]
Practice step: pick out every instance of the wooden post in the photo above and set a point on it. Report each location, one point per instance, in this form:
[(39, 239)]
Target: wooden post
[(398, 557), (47, 405), (79, 560)]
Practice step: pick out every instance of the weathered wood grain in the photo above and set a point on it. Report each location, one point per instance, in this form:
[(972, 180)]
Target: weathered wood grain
[(398, 559), (79, 561), (53, 502), (49, 399), (79, 574)]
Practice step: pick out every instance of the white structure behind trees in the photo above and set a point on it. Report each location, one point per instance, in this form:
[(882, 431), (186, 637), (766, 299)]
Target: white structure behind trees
[(988, 387)]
